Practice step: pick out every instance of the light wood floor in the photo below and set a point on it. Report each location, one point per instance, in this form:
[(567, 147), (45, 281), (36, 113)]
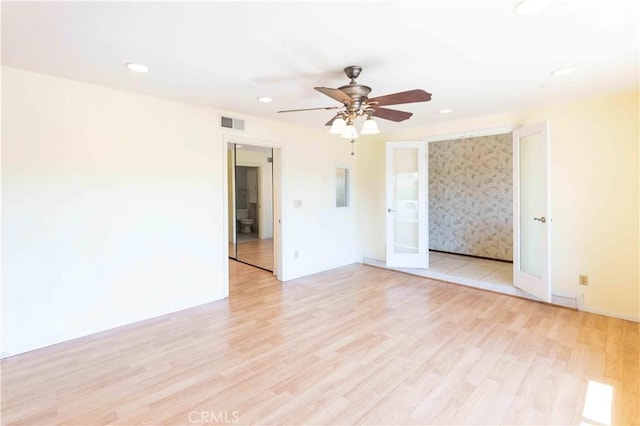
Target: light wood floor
[(255, 252), (354, 345)]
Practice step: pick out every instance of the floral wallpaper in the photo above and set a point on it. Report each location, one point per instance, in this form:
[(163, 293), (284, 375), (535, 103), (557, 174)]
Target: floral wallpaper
[(470, 196)]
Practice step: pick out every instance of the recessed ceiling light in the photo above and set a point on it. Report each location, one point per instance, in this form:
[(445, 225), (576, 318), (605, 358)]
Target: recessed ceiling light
[(136, 67), (565, 71), (526, 7), (445, 111), (265, 99)]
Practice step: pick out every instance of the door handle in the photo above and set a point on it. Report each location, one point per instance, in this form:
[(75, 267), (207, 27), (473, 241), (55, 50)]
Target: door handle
[(391, 210), (540, 219)]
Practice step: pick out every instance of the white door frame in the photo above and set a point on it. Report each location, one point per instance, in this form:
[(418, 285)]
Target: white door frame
[(421, 258), (230, 183), (491, 131), (537, 286), (278, 208)]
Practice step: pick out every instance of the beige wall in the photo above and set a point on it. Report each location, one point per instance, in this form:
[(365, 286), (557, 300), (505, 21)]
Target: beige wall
[(594, 195), (370, 184), (594, 181), (114, 203), (114, 206)]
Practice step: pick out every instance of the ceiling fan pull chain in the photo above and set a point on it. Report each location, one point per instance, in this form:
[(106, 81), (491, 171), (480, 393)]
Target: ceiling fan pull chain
[(353, 141)]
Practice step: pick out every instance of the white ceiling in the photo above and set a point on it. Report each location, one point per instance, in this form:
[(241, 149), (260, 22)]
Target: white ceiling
[(476, 57)]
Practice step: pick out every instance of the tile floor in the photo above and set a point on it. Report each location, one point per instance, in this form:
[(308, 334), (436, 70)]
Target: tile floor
[(485, 274), (492, 271)]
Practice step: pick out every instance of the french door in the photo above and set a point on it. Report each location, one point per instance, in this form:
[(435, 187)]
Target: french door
[(531, 210), (407, 208)]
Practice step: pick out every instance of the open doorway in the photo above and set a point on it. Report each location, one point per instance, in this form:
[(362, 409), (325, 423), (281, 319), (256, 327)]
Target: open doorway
[(467, 227), (465, 233), (487, 213), (471, 207), (249, 198), (253, 188), (251, 205)]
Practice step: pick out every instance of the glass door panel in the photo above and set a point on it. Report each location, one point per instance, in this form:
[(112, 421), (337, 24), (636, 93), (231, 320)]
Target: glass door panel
[(405, 200), (407, 213), (531, 199), (531, 221)]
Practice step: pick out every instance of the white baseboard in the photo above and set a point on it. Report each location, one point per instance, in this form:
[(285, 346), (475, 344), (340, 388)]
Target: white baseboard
[(17, 348), (582, 307), (568, 301)]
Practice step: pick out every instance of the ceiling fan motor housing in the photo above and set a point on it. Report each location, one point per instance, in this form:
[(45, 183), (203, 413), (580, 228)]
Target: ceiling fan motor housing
[(352, 72), (357, 92)]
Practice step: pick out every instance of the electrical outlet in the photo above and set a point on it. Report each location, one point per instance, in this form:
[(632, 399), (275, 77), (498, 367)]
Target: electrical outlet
[(583, 280), (295, 254)]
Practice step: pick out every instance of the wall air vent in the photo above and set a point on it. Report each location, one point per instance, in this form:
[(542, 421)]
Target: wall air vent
[(231, 123)]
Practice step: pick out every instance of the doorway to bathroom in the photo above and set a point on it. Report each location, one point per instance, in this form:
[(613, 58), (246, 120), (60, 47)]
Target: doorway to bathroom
[(247, 195), (250, 200)]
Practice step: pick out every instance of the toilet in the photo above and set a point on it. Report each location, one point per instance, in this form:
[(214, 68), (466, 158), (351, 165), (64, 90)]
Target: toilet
[(243, 219)]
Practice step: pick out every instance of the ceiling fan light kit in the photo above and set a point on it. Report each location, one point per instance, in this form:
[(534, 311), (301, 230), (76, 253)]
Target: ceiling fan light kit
[(339, 125), (350, 132), (370, 127), (356, 103), (347, 130)]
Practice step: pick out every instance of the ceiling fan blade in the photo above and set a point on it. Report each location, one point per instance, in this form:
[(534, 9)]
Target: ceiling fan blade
[(336, 94), (391, 114), (410, 96), (310, 109)]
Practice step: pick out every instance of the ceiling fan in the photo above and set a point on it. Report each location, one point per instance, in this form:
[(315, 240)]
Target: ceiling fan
[(355, 103)]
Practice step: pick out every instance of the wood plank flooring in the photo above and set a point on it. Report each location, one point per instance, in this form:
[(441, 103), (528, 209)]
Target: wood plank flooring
[(256, 252), (353, 345)]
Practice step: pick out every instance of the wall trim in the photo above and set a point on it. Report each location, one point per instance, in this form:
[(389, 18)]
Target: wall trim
[(469, 134), (105, 326), (606, 313), (560, 299)]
